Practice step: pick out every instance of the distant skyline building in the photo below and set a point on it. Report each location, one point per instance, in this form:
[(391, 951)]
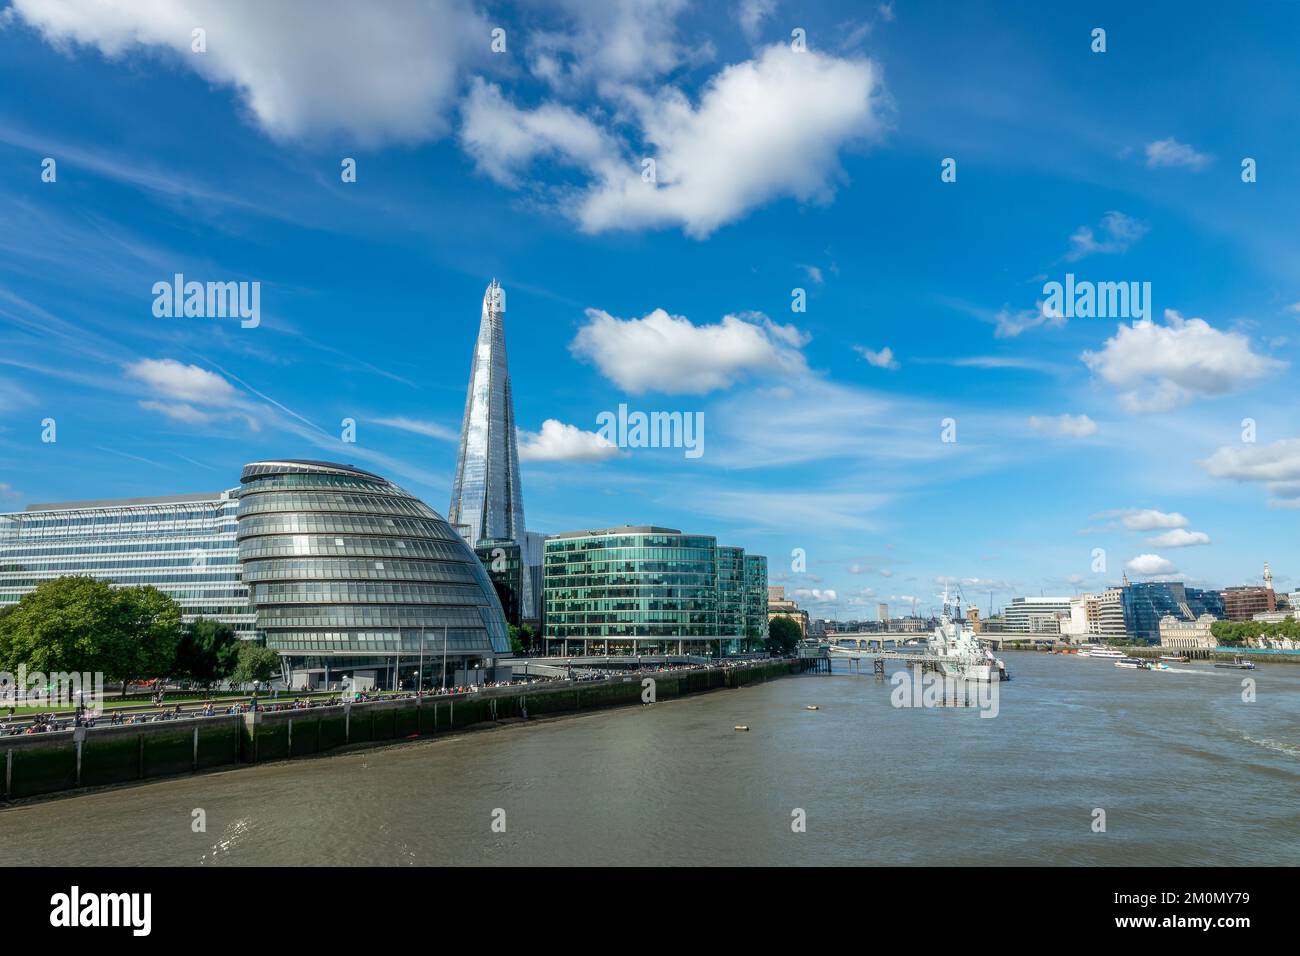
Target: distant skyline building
[(184, 545), (1146, 602), (487, 497)]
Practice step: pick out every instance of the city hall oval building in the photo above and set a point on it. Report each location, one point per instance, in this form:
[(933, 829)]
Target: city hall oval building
[(349, 575)]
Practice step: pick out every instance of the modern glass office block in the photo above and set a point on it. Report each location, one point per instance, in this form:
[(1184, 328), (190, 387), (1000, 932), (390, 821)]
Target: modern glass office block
[(184, 545), (349, 572)]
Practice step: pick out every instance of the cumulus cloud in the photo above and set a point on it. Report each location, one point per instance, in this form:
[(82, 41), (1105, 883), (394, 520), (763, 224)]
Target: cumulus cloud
[(184, 383), (1063, 426), (1118, 232), (1276, 466), (611, 41), (503, 139), (1160, 367), (1145, 519), (1150, 565), (1179, 538), (669, 353), (816, 595), (1169, 152), (882, 359), (558, 441), (766, 128), (386, 71)]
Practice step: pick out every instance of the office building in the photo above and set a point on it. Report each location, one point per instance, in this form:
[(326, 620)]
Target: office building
[(184, 545), (642, 589), (1145, 603), (349, 574), (1035, 615), (1183, 635), (755, 602), (487, 496)]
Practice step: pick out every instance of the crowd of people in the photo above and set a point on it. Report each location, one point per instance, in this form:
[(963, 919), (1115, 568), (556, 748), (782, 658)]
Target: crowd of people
[(83, 717)]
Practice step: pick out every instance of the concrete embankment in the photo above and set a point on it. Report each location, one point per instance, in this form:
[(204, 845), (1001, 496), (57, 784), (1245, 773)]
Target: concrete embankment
[(1155, 652), (39, 764)]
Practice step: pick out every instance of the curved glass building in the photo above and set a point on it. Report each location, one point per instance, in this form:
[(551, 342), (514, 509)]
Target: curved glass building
[(349, 574)]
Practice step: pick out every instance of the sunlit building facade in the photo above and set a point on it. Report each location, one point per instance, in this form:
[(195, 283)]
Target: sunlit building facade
[(645, 590), (350, 574), (184, 545)]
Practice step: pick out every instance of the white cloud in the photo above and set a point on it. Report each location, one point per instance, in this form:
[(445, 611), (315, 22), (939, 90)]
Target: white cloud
[(1276, 466), (814, 274), (560, 442), (301, 67), (611, 41), (1143, 519), (767, 128), (1179, 538), (1064, 426), (1150, 565), (179, 389), (1160, 367), (1146, 519), (503, 139), (1010, 324), (1120, 232), (669, 353), (184, 383), (751, 15), (419, 427), (763, 129), (9, 491), (882, 359), (1171, 153), (816, 595)]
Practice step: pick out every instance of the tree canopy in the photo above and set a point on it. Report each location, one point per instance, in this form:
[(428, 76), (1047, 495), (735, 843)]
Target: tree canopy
[(84, 624), (783, 634)]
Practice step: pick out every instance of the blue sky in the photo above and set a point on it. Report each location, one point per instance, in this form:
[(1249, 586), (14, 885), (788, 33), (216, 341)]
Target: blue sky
[(776, 169)]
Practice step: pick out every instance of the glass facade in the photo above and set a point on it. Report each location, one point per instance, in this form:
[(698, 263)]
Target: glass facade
[(755, 601), (486, 496), (503, 561), (348, 571), (184, 545), (1147, 602), (644, 590)]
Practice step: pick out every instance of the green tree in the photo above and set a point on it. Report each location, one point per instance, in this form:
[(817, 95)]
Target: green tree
[(208, 652), (255, 663), (516, 645), (147, 630), (782, 634), (84, 624), (64, 625)]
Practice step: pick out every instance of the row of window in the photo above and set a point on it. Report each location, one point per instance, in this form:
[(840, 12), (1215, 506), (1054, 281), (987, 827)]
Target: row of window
[(105, 568), (342, 569), (253, 549), (98, 546), (347, 592), (330, 503), (341, 524), (668, 541)]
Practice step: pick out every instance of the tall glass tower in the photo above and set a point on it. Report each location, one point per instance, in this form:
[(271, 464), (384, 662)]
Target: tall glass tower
[(486, 499)]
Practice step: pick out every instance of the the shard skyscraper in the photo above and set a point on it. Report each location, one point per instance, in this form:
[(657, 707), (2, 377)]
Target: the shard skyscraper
[(486, 499)]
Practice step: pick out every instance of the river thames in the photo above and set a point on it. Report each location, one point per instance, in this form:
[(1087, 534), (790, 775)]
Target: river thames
[(1185, 770)]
